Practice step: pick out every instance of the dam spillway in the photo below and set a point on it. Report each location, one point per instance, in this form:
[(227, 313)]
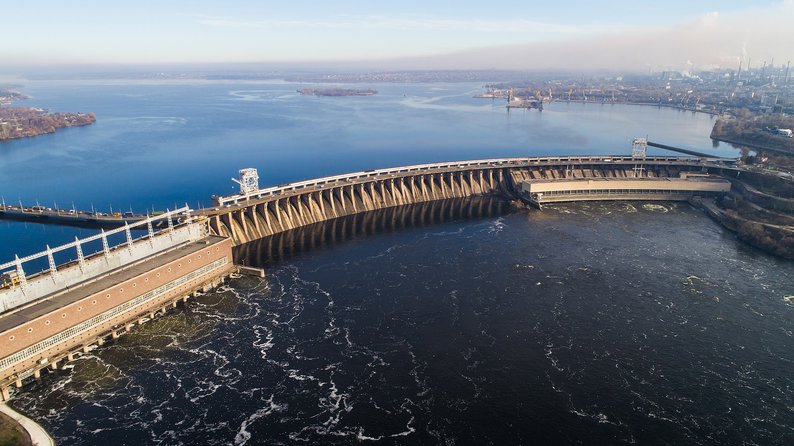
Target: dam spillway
[(265, 212)]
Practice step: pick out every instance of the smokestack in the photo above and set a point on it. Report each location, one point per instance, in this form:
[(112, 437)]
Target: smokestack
[(738, 73), (788, 65)]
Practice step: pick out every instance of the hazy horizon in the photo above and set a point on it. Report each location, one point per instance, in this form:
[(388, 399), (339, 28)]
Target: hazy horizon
[(354, 35)]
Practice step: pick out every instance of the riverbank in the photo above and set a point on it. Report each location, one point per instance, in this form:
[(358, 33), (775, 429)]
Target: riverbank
[(11, 433), (761, 215), (19, 430), (647, 104), (752, 145), (25, 122)]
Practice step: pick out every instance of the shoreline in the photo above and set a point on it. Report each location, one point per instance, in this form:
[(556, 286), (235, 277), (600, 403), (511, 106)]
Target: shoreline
[(752, 145), (38, 435), (675, 107)]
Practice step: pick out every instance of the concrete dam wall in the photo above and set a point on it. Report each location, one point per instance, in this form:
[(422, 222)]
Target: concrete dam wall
[(246, 218), (285, 213)]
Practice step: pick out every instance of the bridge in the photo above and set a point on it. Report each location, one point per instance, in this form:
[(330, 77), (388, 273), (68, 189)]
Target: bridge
[(256, 213)]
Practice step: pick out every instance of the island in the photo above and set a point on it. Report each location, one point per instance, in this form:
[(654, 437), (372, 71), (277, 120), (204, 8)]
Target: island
[(336, 92), (22, 122)]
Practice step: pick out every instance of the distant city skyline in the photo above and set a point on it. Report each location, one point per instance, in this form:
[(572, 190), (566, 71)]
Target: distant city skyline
[(502, 34)]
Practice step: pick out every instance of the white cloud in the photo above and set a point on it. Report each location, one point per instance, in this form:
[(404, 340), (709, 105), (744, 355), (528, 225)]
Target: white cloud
[(711, 40), (409, 23)]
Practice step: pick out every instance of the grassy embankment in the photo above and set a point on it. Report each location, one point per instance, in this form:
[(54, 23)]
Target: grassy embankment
[(11, 434)]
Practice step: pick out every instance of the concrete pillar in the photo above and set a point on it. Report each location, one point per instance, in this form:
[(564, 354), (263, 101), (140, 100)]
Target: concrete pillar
[(254, 222), (37, 373), (297, 213), (114, 334), (270, 218), (70, 357), (311, 207), (231, 226), (303, 210), (426, 191), (260, 212), (18, 383), (6, 393), (278, 211), (289, 214), (100, 341), (319, 201), (241, 216), (54, 365), (442, 179), (85, 349)]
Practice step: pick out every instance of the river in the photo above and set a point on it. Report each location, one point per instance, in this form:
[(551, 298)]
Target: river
[(459, 322)]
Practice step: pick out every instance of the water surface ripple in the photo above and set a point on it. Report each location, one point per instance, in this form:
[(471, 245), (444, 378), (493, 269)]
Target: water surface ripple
[(602, 323)]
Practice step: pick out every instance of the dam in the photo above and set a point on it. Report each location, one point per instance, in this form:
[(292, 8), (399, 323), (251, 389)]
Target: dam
[(64, 310), (256, 213)]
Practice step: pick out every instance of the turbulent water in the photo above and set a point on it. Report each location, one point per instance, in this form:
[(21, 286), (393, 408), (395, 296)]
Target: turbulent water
[(604, 323)]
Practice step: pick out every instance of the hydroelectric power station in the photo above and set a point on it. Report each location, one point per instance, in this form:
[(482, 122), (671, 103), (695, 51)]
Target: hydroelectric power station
[(50, 317)]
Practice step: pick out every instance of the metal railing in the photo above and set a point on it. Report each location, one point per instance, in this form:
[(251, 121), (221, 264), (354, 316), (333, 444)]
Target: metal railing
[(77, 245)]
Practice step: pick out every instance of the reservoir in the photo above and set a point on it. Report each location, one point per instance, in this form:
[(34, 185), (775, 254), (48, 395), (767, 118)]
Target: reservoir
[(458, 322)]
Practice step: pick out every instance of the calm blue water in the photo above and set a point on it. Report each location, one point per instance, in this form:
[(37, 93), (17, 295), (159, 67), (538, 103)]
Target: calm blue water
[(160, 145)]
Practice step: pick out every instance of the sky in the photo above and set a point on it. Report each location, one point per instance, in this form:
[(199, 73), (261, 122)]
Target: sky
[(409, 34)]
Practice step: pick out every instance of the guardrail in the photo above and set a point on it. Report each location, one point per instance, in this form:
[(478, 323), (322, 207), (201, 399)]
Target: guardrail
[(441, 167), (17, 263)]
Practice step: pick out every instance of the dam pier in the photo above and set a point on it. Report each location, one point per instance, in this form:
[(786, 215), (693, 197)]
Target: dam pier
[(51, 317)]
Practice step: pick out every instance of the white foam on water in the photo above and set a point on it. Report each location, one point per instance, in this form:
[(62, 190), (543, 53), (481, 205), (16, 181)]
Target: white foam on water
[(243, 435)]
